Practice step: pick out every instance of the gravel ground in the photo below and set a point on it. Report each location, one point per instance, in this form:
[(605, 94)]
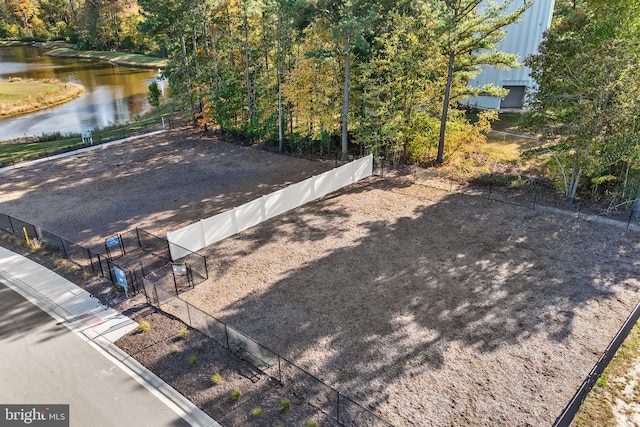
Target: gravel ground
[(430, 308), (158, 183)]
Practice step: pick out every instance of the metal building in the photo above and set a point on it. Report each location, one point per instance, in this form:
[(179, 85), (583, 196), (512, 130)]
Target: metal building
[(522, 38)]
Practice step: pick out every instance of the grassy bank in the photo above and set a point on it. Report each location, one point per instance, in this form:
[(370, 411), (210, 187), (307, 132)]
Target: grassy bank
[(26, 96), (66, 50), (53, 144)]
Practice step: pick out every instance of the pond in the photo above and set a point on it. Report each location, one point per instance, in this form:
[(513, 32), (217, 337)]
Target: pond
[(113, 94)]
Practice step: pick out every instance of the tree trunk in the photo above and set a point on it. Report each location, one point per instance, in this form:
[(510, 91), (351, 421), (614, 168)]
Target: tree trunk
[(280, 67), (246, 68), (635, 210), (214, 51), (195, 51), (347, 90), (445, 108), (186, 70)]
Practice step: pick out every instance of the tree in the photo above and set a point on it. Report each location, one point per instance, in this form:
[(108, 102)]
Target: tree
[(154, 94), (469, 31), (585, 73), (348, 20)]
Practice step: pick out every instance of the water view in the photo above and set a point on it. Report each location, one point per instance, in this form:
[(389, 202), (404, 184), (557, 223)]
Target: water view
[(113, 94)]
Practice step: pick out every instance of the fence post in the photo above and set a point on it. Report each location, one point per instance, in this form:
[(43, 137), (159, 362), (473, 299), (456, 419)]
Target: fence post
[(226, 335), (139, 241), (580, 209), (155, 294), (13, 230), (100, 264), (338, 406), (189, 313), (64, 250), (175, 284), (144, 289)]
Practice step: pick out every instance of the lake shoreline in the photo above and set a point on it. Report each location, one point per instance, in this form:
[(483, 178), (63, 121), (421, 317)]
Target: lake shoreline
[(60, 49), (20, 97)]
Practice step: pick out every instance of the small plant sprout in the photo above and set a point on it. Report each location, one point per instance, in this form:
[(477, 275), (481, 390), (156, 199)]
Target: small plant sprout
[(143, 327), (37, 247), (312, 423), (193, 361), (285, 406), (216, 379), (174, 348), (235, 395), (183, 333), (256, 412)]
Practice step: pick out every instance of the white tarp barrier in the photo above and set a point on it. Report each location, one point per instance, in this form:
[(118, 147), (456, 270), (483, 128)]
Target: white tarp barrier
[(344, 176), (190, 238), (323, 184), (219, 227), (211, 230), (250, 214), (363, 168)]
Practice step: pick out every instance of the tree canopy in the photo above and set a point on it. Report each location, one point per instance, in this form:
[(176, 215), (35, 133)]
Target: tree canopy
[(375, 75), (586, 105)]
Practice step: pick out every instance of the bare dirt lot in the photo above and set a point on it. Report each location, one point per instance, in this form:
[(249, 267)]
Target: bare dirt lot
[(159, 184), (432, 308), (428, 307)]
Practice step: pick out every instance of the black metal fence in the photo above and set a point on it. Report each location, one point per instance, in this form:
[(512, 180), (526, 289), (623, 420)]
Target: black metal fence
[(569, 412), (125, 259), (297, 380), (517, 191), (87, 259)]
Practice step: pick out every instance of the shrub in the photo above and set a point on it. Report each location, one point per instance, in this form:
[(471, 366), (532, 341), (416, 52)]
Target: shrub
[(311, 423), (235, 395), (174, 348), (256, 412), (144, 326), (193, 361), (183, 333), (285, 406), (216, 378), (37, 246)]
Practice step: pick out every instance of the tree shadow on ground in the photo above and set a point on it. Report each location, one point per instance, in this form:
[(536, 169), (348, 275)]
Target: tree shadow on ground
[(453, 281), (157, 183)]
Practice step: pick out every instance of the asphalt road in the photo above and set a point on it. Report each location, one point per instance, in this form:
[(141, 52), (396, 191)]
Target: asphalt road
[(42, 362)]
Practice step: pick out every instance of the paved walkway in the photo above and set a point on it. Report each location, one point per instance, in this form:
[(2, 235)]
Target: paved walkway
[(44, 363)]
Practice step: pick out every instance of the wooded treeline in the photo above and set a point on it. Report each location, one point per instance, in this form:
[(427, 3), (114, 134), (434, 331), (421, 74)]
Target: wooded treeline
[(380, 75), (587, 106)]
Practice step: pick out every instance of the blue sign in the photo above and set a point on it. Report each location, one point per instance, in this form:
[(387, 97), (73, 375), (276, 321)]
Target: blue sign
[(113, 241), (121, 277)]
